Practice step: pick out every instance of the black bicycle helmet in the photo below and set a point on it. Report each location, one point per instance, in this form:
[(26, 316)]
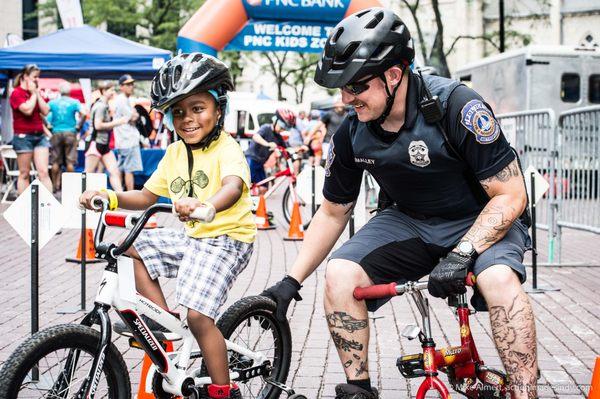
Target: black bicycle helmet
[(186, 74), (367, 42)]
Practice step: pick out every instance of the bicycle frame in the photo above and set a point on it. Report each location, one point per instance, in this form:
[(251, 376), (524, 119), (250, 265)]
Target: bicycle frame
[(112, 292), (288, 176), (459, 362)]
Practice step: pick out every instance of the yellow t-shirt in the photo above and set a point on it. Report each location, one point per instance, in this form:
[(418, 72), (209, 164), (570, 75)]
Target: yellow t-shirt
[(222, 158)]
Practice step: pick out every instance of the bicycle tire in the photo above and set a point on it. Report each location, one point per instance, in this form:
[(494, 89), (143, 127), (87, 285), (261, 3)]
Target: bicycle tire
[(287, 204), (249, 309), (55, 339)]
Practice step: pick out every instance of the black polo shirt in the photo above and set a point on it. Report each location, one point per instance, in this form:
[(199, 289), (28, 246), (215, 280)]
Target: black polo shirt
[(414, 166)]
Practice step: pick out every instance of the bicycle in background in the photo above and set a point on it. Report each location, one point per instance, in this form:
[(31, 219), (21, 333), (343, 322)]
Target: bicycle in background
[(287, 176)]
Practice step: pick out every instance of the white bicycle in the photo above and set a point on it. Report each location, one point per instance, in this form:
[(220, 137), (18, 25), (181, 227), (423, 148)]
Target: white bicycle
[(79, 361)]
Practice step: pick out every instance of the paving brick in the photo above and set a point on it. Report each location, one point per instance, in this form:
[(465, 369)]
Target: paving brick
[(568, 323)]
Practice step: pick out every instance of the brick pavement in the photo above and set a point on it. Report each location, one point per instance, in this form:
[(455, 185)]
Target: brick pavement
[(568, 321)]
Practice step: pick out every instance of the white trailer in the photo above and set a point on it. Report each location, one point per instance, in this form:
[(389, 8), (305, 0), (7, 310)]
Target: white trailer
[(535, 77)]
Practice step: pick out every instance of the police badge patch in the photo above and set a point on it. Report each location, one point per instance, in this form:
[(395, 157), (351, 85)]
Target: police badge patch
[(419, 153), (330, 158), (478, 119)]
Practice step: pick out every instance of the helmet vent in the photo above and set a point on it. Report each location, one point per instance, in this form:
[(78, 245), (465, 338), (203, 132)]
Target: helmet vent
[(176, 75), (375, 21), (396, 25), (337, 35), (350, 49), (360, 14), (382, 52)]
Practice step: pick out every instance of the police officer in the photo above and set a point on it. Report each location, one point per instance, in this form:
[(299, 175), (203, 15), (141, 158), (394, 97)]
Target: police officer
[(454, 199)]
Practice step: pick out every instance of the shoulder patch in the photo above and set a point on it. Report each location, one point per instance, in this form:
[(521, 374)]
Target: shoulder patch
[(478, 119), (330, 158)]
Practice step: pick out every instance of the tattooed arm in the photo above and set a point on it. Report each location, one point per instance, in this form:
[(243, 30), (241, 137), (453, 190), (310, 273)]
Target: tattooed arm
[(325, 228), (508, 200)]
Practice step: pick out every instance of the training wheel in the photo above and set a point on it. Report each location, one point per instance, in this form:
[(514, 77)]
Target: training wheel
[(297, 396)]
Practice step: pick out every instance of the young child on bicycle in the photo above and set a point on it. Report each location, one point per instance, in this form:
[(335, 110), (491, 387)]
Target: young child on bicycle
[(267, 139), (206, 168)]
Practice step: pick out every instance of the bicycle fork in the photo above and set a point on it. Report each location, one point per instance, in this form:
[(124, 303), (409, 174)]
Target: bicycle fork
[(410, 366), (88, 389)]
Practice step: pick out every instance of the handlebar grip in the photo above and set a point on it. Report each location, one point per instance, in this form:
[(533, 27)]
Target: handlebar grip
[(98, 203), (204, 214), (375, 291)]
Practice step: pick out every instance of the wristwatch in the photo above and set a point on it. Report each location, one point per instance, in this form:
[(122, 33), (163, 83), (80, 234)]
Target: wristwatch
[(465, 248)]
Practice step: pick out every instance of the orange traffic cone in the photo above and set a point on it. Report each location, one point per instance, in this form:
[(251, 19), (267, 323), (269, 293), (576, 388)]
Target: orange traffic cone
[(296, 231), (262, 218), (142, 393), (90, 250), (595, 386)]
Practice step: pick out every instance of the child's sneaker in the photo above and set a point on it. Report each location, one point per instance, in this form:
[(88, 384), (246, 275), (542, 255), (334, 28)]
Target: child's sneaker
[(231, 391)]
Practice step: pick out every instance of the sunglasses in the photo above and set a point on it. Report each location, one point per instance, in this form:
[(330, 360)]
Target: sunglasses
[(359, 87)]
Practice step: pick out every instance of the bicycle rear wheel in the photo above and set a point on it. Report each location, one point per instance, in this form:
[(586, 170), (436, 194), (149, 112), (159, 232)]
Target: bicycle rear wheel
[(288, 206), (50, 349), (250, 322)]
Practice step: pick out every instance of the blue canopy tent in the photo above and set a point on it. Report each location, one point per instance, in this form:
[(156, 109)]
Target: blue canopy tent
[(84, 52)]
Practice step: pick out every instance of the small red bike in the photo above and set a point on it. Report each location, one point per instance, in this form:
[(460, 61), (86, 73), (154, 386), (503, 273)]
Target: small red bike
[(287, 175), (466, 371)]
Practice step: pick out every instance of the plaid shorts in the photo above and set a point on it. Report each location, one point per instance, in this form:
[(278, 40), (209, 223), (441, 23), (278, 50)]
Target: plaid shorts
[(205, 267)]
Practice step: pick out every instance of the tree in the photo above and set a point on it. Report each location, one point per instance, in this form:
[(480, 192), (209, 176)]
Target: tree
[(304, 71), (155, 22), (290, 69), (436, 55)]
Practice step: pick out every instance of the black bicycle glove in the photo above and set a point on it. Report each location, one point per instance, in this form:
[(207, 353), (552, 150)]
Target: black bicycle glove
[(450, 275), (282, 293)]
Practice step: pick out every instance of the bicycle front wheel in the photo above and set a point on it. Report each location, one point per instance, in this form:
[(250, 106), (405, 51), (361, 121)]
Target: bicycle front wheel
[(250, 322), (288, 207), (63, 355)]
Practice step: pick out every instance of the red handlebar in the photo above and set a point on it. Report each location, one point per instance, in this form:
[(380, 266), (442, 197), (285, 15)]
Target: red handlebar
[(375, 291), (389, 290)]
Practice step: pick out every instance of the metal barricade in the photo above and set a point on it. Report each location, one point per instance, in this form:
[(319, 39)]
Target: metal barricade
[(579, 169), (533, 135)]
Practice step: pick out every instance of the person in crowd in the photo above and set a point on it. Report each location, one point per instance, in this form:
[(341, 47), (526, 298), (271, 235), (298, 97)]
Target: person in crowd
[(97, 150), (313, 137), (331, 121), (302, 121), (127, 136), (453, 200), (266, 139), (64, 120), (206, 168), (29, 141)]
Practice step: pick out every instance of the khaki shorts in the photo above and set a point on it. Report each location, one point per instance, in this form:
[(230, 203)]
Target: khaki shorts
[(64, 148)]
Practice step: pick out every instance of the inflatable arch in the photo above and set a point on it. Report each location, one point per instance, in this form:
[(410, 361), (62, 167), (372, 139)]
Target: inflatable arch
[(265, 25)]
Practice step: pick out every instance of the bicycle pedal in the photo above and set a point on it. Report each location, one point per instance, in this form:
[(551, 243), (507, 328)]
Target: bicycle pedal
[(411, 366)]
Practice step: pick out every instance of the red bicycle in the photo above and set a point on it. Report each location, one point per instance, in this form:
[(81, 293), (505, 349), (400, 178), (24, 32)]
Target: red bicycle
[(466, 371), (287, 175)]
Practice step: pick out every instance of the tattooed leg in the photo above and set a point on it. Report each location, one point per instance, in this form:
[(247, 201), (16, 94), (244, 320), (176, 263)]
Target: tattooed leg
[(347, 318), (513, 327)]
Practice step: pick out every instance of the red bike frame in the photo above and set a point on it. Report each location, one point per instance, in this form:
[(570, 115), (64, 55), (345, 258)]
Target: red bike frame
[(288, 173), (462, 363)]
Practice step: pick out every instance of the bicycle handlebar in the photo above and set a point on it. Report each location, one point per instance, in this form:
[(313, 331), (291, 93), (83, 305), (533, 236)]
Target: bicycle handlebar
[(137, 222), (380, 291)]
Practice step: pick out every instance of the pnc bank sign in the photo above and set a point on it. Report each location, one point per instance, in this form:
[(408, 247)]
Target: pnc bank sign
[(266, 25), (299, 3)]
